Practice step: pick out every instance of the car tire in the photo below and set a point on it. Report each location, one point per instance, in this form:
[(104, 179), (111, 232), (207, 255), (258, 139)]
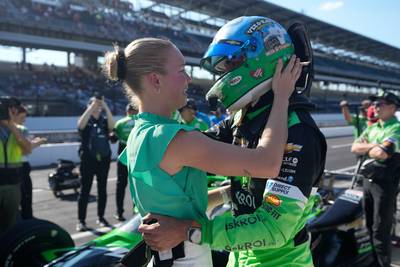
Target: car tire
[(23, 244), (56, 193)]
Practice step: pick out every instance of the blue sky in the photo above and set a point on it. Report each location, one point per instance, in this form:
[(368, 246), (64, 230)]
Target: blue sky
[(377, 19)]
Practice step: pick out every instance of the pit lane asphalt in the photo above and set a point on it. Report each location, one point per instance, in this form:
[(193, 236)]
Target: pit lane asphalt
[(63, 211)]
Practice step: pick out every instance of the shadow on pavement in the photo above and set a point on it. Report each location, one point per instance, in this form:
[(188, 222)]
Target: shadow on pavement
[(74, 197)]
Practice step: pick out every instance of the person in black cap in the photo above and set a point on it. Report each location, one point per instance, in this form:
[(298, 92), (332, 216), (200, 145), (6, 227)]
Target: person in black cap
[(380, 145), (188, 114), (121, 133)]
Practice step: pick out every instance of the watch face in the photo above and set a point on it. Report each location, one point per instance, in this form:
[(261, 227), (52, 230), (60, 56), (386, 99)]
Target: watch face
[(195, 235)]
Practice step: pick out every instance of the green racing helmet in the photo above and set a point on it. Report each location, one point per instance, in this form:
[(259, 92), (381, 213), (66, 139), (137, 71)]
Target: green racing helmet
[(245, 52)]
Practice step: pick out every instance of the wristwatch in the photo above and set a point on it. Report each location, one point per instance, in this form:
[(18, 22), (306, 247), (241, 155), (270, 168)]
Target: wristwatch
[(194, 233)]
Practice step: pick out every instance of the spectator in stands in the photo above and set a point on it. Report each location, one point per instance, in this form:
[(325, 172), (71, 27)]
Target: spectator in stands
[(121, 132), (380, 144), (218, 116), (188, 114), (26, 184), (359, 120), (95, 155), (13, 146)]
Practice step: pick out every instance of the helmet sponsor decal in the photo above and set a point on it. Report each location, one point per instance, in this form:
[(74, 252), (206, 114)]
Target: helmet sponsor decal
[(258, 73), (273, 200), (230, 42), (235, 80), (290, 147), (274, 44), (258, 25)]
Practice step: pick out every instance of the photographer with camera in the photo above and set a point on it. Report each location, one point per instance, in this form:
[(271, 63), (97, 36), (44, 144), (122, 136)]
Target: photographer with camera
[(95, 155), (13, 146)]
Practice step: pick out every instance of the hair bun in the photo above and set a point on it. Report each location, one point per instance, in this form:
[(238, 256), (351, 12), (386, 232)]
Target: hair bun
[(121, 65), (110, 67)]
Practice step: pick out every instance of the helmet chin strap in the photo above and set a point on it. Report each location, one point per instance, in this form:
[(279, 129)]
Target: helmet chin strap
[(252, 96)]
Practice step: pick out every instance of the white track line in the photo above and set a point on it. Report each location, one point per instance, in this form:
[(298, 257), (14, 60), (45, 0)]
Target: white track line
[(346, 169), (105, 230), (340, 146), (36, 190)]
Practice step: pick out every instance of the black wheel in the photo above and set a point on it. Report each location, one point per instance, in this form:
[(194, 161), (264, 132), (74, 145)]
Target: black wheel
[(24, 243), (56, 193)]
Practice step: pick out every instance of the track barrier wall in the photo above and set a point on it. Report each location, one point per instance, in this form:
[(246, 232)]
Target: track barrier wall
[(65, 127)]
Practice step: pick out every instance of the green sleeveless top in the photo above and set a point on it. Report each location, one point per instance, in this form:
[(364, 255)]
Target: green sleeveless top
[(183, 195)]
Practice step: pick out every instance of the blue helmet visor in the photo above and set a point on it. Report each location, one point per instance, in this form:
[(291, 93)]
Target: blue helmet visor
[(222, 57)]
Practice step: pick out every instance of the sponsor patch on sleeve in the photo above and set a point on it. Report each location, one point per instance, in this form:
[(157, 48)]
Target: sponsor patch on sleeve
[(278, 189), (273, 199)]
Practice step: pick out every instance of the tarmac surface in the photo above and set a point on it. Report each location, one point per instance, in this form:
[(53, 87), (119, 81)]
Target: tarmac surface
[(63, 210)]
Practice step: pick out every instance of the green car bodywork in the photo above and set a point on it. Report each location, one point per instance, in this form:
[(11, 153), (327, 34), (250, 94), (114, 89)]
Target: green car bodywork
[(125, 236)]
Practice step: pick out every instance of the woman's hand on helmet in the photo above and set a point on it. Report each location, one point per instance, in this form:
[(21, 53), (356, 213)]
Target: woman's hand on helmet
[(284, 80)]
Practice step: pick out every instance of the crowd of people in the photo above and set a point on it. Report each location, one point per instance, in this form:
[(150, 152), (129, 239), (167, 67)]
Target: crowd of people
[(114, 20), (37, 84), (74, 85)]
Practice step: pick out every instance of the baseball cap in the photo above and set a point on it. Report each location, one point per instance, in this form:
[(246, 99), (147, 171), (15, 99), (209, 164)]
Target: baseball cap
[(190, 103), (388, 97)]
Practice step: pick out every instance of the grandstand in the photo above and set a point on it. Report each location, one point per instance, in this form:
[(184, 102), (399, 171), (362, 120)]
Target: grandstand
[(346, 62)]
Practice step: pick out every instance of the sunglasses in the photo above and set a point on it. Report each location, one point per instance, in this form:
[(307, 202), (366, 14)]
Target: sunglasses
[(380, 103)]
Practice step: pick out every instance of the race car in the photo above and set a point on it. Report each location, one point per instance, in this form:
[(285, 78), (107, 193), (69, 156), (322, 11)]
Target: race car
[(38, 243)]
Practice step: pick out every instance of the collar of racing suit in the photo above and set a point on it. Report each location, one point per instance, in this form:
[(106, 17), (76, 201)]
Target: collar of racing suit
[(252, 119)]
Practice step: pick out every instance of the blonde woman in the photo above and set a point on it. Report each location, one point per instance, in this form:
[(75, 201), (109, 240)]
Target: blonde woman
[(167, 162)]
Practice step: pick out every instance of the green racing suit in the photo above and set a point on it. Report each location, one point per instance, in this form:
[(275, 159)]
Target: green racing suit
[(268, 226)]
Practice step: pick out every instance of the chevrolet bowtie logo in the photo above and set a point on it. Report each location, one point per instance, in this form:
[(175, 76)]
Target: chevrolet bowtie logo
[(290, 147)]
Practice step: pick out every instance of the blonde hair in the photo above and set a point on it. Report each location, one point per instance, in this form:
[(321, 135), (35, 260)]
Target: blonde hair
[(142, 56)]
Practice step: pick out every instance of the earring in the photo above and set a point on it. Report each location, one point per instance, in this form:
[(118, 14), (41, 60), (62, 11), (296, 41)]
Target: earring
[(158, 90)]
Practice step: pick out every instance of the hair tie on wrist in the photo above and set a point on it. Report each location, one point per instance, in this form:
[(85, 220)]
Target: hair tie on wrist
[(121, 65)]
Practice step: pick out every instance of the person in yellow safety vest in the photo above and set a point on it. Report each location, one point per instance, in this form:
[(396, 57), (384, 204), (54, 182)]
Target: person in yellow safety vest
[(26, 183), (13, 146)]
